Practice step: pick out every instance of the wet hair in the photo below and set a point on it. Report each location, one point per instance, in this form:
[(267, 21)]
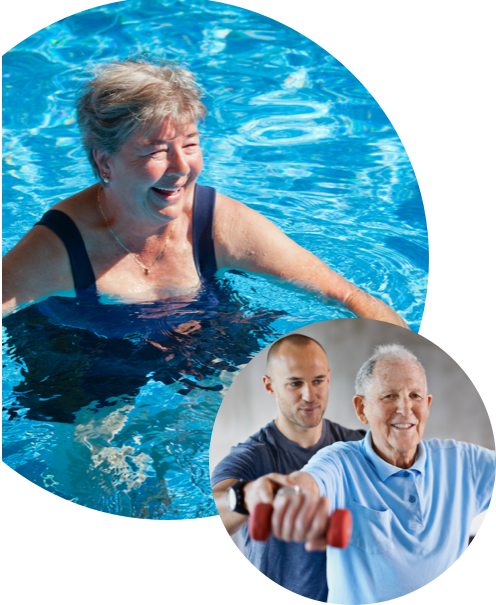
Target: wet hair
[(299, 340), (390, 351), (130, 96)]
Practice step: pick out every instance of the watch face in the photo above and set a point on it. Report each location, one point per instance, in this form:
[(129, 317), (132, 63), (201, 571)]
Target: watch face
[(231, 498)]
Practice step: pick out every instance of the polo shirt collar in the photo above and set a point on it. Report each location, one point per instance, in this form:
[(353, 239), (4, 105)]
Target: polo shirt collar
[(386, 470)]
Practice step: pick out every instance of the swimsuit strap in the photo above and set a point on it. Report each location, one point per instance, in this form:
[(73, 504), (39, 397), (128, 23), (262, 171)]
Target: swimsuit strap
[(82, 271), (203, 230)]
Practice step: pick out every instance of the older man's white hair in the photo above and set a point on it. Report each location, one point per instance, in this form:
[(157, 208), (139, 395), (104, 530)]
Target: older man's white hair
[(390, 351)]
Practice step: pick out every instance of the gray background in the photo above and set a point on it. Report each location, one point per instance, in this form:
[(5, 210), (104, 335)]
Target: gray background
[(457, 411)]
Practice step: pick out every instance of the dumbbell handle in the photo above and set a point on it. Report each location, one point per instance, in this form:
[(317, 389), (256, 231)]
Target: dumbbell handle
[(338, 530)]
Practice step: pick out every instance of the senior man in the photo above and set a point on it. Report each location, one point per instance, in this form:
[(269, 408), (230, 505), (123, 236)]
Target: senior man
[(298, 377), (412, 500)]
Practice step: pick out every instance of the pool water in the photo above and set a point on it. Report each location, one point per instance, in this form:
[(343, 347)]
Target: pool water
[(119, 419)]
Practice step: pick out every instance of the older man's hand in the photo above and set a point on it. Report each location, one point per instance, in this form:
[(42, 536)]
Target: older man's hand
[(264, 489), (301, 517)]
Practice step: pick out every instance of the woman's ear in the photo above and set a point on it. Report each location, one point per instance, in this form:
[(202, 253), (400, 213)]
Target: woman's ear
[(101, 160)]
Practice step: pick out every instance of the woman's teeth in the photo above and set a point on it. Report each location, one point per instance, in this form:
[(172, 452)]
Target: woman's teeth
[(168, 194)]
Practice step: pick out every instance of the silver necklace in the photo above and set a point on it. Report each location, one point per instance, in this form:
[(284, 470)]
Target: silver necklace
[(144, 267)]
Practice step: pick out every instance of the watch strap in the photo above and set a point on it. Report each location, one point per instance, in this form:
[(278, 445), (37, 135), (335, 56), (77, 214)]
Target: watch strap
[(237, 490)]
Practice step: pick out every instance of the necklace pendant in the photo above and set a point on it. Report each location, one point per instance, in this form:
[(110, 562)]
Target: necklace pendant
[(147, 270)]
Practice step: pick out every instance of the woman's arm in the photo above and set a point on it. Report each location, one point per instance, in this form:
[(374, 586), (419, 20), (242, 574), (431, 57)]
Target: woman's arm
[(36, 267), (246, 240)]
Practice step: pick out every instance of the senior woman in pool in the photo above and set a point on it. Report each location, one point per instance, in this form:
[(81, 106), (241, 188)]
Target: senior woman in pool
[(412, 501), (147, 227)]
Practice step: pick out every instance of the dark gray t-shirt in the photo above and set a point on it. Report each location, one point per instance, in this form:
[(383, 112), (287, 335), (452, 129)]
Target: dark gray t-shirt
[(268, 451)]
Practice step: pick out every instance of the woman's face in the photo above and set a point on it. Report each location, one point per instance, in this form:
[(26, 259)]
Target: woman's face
[(157, 173)]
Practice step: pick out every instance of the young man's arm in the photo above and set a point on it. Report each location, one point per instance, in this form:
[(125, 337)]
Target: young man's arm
[(233, 522), (262, 489)]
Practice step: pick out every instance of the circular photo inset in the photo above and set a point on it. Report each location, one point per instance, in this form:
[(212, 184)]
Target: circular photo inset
[(352, 461)]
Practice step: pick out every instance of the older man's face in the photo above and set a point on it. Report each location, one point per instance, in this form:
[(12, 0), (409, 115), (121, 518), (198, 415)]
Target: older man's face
[(397, 407)]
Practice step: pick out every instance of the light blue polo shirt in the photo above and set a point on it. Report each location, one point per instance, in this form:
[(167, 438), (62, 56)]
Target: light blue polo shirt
[(410, 525)]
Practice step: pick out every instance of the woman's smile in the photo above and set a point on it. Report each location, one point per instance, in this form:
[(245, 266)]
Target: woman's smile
[(158, 171), (169, 196)]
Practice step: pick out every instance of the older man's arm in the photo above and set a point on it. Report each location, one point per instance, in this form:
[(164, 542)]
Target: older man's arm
[(306, 482), (246, 240)]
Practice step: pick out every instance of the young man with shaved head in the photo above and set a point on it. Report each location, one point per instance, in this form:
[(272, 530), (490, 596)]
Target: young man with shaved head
[(298, 377)]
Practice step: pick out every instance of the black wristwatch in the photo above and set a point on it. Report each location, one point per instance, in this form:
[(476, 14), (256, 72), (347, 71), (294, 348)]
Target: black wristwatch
[(235, 499)]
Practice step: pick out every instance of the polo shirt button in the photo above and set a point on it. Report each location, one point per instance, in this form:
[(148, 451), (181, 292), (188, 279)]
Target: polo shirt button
[(412, 498)]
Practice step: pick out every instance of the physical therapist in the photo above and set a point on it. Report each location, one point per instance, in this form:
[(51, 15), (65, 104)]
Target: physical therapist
[(412, 500)]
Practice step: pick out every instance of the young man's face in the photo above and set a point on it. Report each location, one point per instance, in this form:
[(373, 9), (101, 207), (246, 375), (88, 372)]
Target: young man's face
[(299, 380)]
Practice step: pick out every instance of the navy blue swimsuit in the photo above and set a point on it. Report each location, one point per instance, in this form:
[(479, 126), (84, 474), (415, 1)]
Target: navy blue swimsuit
[(82, 271), (76, 351)]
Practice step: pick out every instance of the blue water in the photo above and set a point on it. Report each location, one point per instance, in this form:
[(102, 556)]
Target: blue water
[(121, 422)]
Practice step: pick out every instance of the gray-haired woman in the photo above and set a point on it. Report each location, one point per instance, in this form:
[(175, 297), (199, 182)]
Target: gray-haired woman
[(147, 228)]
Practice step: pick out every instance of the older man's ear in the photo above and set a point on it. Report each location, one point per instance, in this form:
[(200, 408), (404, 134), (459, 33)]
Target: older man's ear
[(358, 402)]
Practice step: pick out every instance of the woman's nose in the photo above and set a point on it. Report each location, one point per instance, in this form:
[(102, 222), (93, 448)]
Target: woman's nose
[(177, 162)]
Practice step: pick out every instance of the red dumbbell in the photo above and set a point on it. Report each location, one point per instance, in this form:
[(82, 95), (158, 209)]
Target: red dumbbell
[(338, 530)]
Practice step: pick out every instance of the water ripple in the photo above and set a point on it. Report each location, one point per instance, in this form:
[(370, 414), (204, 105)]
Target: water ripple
[(291, 133)]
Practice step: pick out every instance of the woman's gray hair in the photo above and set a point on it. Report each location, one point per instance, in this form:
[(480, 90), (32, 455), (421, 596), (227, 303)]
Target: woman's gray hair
[(391, 351), (130, 96)]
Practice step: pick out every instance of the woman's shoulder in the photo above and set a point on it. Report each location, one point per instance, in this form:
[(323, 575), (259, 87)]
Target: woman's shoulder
[(36, 267), (233, 215), (246, 240), (41, 257), (80, 207), (225, 205)]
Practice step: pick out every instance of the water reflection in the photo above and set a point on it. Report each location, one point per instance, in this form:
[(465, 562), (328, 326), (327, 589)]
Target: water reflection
[(127, 396), (75, 353)]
